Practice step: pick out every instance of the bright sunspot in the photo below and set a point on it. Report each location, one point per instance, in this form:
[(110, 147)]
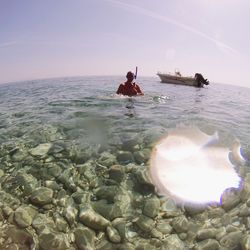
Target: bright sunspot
[(188, 165)]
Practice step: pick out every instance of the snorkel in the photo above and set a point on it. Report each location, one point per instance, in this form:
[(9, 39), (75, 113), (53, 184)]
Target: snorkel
[(136, 70)]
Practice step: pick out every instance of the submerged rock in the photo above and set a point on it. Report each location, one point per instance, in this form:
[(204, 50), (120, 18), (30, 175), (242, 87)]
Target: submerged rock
[(174, 242), (120, 225), (107, 192), (230, 199), (41, 150), (24, 216), (42, 222), (81, 197), (232, 240), (142, 156), (107, 159), (169, 208), (22, 237), (207, 233), (151, 207), (19, 155), (41, 196), (106, 210), (104, 245), (92, 219), (54, 170), (209, 244), (27, 182), (70, 214), (1, 173), (245, 192), (245, 244), (113, 235), (145, 223), (53, 241), (57, 147), (109, 210), (124, 157), (126, 246), (116, 173), (84, 238), (142, 182), (52, 185), (61, 224), (164, 227), (128, 144), (7, 198), (180, 224)]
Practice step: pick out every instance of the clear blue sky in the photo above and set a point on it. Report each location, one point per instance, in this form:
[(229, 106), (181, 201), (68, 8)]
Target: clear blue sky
[(50, 38)]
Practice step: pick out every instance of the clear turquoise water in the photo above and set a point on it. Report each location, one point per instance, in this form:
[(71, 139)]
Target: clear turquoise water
[(86, 111)]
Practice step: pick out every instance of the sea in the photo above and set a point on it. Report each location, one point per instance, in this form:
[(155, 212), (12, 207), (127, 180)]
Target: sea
[(86, 109), (74, 160)]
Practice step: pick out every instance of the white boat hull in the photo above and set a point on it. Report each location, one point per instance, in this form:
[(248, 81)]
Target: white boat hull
[(180, 80), (196, 81)]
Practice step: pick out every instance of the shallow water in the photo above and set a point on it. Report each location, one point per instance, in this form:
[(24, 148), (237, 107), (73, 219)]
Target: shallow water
[(75, 104), (76, 154)]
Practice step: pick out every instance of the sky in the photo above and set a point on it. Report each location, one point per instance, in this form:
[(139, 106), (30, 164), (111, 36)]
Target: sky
[(54, 38)]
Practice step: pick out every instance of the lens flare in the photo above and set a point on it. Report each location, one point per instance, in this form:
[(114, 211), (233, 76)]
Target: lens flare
[(189, 166)]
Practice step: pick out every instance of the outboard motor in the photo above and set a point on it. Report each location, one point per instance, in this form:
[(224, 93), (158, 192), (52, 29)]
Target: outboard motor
[(200, 80)]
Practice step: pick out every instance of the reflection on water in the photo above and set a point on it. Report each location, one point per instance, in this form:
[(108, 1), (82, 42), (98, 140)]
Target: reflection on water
[(131, 111)]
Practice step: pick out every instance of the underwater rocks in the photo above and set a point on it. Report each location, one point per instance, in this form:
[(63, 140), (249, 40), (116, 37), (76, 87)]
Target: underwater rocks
[(92, 219), (117, 173), (151, 207), (52, 240), (113, 235), (24, 216), (41, 150), (41, 196), (145, 223), (57, 196), (84, 238)]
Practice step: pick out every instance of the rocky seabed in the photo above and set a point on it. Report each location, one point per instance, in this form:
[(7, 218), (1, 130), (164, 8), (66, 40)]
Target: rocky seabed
[(54, 197)]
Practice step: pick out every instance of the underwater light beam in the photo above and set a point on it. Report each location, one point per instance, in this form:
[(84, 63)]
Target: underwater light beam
[(221, 46)]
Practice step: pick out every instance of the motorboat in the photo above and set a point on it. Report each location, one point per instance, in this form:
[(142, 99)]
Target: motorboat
[(197, 81)]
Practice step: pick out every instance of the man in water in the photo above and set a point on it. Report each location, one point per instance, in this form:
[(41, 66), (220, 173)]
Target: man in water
[(129, 87)]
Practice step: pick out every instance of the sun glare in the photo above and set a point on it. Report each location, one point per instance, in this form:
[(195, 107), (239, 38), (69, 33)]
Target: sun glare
[(190, 168)]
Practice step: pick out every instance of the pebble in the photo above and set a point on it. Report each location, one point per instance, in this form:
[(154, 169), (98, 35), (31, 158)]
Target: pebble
[(84, 238), (232, 240), (117, 173), (151, 207), (52, 240), (125, 157), (209, 244), (22, 217), (145, 223), (41, 150), (113, 235), (180, 224), (41, 196), (92, 219), (174, 242), (204, 234)]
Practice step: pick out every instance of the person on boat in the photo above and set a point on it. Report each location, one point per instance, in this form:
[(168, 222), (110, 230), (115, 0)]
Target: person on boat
[(129, 87)]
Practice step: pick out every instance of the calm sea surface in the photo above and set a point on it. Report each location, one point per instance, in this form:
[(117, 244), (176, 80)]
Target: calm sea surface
[(85, 110)]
